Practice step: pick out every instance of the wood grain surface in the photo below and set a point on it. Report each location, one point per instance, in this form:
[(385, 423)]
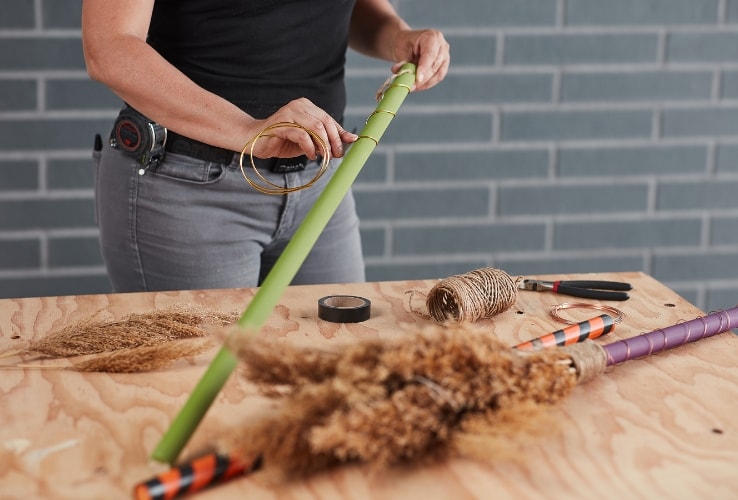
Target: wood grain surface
[(659, 427)]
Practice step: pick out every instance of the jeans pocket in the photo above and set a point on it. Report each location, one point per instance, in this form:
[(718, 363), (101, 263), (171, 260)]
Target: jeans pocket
[(191, 170)]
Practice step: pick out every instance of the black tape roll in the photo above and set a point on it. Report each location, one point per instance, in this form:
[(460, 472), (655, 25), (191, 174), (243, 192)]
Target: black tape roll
[(344, 309)]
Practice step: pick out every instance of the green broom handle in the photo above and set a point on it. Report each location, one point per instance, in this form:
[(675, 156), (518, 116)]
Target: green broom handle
[(279, 278)]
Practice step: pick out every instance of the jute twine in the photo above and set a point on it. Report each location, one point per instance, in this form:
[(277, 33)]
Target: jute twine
[(479, 294), (588, 358)]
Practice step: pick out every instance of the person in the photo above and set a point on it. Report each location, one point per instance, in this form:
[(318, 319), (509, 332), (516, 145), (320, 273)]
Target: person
[(199, 79)]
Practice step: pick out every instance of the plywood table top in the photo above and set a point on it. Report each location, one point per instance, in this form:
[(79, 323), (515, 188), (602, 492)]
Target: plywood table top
[(664, 426)]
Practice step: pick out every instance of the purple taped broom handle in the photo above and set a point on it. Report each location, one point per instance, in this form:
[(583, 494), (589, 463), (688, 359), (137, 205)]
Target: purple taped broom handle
[(672, 336)]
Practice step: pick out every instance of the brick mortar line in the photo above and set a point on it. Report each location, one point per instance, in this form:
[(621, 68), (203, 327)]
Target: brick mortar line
[(717, 85), (40, 34), (506, 30), (355, 73), (531, 220), (396, 260), (52, 115), (506, 146), (48, 195), (722, 12), (717, 285), (16, 235), (566, 69), (657, 119), (723, 250), (481, 108), (614, 105), (711, 161), (543, 255), (544, 219), (587, 253), (706, 233), (662, 45), (560, 14), (38, 17), (44, 253), (605, 143), (616, 180), (590, 29), (51, 154), (53, 272), (649, 143), (58, 74)]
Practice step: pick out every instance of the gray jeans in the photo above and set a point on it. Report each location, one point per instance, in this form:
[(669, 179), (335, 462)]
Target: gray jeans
[(193, 224)]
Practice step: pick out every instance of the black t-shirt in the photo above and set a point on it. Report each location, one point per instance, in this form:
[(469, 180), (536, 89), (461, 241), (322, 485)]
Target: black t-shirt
[(258, 54)]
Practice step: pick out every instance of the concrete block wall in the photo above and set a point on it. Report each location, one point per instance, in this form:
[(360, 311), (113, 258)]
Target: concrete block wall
[(570, 136)]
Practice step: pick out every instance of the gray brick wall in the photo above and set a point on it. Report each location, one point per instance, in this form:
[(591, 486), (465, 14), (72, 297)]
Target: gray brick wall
[(570, 136)]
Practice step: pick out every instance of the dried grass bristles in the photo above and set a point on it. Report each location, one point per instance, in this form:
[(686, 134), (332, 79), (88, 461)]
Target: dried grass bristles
[(145, 359), (384, 402), (93, 335), (138, 342)]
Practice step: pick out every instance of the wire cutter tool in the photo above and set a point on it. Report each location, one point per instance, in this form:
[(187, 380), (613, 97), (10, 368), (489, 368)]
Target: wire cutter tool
[(589, 289)]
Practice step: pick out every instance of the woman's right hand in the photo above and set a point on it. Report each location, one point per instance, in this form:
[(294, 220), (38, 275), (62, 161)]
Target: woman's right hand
[(289, 141)]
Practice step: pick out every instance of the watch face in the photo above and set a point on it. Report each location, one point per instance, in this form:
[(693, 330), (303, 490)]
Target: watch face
[(128, 135)]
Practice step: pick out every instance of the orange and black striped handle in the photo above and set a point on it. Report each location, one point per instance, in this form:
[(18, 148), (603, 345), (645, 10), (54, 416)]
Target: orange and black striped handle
[(193, 476), (589, 329)]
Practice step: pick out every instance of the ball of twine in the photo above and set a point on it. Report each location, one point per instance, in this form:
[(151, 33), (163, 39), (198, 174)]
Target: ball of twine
[(479, 294)]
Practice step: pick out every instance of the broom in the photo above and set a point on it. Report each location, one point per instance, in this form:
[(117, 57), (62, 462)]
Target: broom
[(420, 397), (386, 402)]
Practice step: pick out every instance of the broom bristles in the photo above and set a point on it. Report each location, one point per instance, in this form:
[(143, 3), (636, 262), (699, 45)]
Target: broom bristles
[(384, 402)]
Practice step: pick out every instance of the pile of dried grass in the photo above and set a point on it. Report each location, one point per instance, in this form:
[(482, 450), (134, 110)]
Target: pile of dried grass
[(138, 342)]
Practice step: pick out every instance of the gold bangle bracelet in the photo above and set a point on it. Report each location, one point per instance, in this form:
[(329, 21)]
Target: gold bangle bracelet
[(275, 188)]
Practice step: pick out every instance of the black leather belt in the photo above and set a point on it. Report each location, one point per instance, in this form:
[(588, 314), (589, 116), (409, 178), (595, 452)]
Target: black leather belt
[(180, 144)]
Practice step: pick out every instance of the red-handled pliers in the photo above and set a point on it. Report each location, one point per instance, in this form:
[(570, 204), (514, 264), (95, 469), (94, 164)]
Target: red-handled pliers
[(589, 289)]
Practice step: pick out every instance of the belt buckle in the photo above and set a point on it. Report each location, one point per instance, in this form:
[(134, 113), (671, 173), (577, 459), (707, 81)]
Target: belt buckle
[(288, 165)]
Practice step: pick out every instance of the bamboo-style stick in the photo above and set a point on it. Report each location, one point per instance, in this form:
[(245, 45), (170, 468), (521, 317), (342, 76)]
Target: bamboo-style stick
[(671, 336), (286, 267)]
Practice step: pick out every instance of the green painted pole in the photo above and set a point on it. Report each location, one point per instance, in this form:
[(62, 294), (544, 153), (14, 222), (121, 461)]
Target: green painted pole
[(286, 267)]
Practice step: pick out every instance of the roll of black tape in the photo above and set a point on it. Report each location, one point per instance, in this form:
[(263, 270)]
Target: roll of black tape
[(344, 309)]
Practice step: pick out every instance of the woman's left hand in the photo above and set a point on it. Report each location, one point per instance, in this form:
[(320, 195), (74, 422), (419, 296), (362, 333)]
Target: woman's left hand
[(428, 50)]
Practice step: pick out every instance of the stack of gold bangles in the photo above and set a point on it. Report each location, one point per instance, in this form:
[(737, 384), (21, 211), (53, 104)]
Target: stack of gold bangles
[(275, 188)]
